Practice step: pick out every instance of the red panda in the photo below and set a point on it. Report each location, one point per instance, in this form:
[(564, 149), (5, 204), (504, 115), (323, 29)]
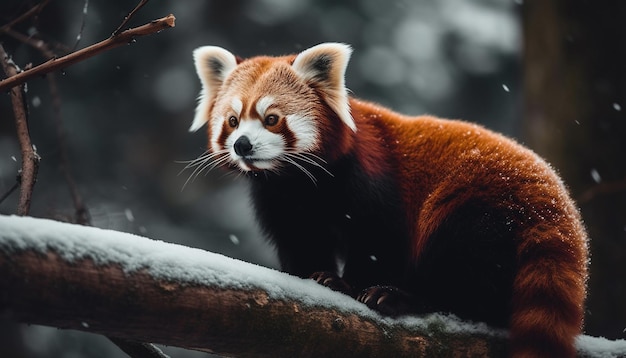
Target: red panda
[(427, 214)]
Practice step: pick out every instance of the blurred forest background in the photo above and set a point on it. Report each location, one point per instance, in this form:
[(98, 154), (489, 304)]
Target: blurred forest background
[(550, 74)]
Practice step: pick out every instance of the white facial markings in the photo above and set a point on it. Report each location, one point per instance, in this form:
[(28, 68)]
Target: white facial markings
[(263, 104), (217, 123), (269, 149), (266, 146), (304, 129), (237, 106)]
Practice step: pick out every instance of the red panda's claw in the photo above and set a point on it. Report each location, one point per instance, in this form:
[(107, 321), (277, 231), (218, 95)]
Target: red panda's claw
[(332, 281), (387, 300)]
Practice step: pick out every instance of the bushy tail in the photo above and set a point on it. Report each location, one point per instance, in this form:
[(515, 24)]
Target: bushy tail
[(548, 294)]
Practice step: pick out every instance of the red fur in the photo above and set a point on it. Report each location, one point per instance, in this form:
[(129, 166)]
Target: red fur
[(440, 164)]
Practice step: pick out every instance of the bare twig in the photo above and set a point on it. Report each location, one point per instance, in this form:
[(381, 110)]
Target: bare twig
[(81, 212), (128, 17), (30, 158), (10, 191), (34, 42), (32, 12), (82, 25), (123, 38), (31, 41)]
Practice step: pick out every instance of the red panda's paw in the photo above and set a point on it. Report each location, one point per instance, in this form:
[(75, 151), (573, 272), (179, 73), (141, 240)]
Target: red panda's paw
[(332, 281), (387, 300)]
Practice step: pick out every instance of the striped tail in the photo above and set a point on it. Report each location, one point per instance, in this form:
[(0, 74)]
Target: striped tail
[(549, 292)]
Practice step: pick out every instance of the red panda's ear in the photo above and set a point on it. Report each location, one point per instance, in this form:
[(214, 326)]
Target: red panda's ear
[(213, 64), (324, 67)]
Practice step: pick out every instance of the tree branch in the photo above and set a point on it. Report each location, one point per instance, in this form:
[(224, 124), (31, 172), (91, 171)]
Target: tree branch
[(122, 38), (11, 190), (45, 289), (30, 158), (81, 214), (132, 348), (28, 14), (122, 285), (129, 16), (78, 288)]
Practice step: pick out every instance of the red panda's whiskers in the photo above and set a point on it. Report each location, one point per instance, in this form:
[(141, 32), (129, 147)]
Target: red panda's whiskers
[(200, 160), (287, 157), (192, 163), (299, 159), (311, 159), (205, 161), (214, 164)]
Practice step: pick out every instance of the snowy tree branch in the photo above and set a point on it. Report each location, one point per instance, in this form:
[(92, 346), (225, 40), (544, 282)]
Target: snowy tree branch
[(122, 285), (79, 280)]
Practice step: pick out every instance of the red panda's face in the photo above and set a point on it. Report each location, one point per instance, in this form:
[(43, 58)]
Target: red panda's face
[(269, 112)]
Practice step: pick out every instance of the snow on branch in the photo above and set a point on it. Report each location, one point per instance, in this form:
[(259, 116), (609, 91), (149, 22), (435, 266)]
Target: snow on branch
[(122, 285)]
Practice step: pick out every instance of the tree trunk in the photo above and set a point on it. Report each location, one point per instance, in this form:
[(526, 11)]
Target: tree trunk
[(575, 116)]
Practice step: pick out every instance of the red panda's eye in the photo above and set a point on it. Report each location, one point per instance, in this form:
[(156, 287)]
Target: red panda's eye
[(232, 121), (271, 120)]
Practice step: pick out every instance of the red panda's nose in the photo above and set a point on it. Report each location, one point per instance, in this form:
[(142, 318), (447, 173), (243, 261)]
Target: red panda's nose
[(243, 147)]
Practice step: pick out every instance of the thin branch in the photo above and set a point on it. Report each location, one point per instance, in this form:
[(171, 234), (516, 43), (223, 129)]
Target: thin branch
[(10, 191), (54, 64), (81, 215), (30, 158), (31, 41), (32, 12), (34, 42), (82, 25), (128, 17)]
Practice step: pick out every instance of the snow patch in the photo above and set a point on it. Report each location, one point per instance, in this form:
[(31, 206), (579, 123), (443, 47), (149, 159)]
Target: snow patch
[(164, 261), (601, 347)]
